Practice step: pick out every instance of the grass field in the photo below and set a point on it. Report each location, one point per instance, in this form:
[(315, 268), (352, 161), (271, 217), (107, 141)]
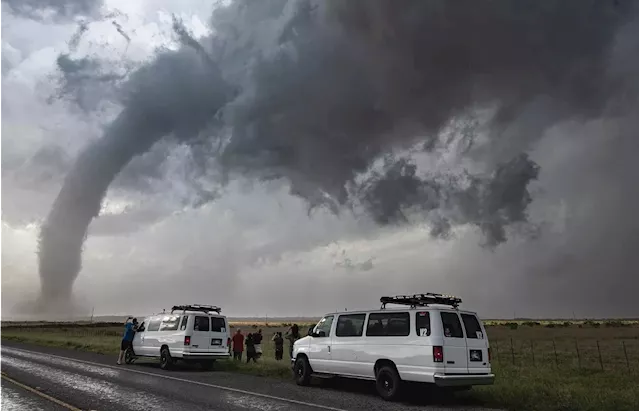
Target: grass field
[(544, 365)]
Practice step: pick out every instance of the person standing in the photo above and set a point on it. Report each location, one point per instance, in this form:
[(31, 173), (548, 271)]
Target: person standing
[(238, 345), (251, 348), (292, 335), (130, 328), (257, 342), (279, 343)]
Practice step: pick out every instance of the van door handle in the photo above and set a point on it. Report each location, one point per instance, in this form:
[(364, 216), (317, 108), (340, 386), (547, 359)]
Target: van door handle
[(329, 348), (451, 362)]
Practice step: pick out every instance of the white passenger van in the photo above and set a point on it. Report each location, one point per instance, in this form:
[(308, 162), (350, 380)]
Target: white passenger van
[(190, 333), (430, 341)]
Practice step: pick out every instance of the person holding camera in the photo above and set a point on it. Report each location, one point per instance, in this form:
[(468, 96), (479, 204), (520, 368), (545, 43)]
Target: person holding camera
[(130, 327)]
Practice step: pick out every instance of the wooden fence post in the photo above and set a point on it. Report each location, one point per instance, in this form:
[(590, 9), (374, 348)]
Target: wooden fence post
[(599, 355), (555, 352), (533, 355), (513, 356), (626, 357), (578, 351)]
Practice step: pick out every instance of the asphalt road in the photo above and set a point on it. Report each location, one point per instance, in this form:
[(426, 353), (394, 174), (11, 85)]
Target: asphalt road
[(88, 381)]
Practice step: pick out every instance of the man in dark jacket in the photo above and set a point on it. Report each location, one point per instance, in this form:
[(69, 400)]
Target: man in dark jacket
[(251, 348), (279, 343)]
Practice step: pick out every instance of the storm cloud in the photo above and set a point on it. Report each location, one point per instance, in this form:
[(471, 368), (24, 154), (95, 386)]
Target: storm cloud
[(319, 94)]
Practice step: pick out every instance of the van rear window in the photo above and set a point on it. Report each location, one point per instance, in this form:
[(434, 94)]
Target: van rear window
[(201, 323), (388, 325), (423, 324), (472, 326), (451, 325), (218, 325)]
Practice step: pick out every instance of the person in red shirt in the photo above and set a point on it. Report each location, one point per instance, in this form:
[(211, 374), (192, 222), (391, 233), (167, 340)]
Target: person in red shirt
[(238, 345)]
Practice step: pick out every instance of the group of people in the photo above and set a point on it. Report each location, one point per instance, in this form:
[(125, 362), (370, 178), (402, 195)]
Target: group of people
[(253, 343)]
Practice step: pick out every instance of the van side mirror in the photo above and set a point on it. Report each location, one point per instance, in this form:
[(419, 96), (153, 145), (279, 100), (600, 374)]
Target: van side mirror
[(310, 332)]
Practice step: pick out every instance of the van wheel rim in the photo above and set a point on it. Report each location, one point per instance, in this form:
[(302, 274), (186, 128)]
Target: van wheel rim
[(300, 371), (386, 382)]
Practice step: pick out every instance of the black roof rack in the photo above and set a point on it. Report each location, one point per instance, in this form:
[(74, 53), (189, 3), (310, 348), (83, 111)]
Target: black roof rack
[(421, 300), (196, 307)]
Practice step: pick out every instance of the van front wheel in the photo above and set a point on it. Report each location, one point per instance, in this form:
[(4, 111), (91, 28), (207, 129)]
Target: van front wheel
[(388, 383), (302, 371), (165, 359)]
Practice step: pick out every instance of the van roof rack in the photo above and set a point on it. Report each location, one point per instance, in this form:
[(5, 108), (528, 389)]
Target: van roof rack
[(421, 300), (196, 307)]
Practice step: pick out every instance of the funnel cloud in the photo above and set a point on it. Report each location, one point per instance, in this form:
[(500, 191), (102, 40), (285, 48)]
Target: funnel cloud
[(353, 104)]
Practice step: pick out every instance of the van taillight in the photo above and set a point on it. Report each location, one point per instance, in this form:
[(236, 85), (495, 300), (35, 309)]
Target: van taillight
[(187, 340), (438, 354), (489, 354)]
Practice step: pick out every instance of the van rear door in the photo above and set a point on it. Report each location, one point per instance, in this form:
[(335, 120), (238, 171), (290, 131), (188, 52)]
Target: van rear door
[(477, 344), (200, 340), (455, 346), (218, 336)]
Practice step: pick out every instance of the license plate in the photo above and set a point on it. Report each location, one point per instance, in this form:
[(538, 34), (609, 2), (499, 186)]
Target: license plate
[(216, 341)]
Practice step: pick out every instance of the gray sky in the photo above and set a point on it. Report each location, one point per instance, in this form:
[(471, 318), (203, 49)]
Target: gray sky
[(256, 250)]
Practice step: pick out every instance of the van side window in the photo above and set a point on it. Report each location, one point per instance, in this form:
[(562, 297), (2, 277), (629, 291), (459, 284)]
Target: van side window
[(218, 325), (183, 324), (350, 325), (451, 325), (201, 323), (154, 325), (423, 324), (324, 327), (170, 323), (472, 326), (388, 325)]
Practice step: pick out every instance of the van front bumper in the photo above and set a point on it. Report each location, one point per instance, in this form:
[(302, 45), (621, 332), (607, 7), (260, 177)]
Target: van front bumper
[(458, 380)]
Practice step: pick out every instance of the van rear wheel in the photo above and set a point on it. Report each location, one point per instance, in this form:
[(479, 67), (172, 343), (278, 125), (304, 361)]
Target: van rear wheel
[(165, 359), (388, 383)]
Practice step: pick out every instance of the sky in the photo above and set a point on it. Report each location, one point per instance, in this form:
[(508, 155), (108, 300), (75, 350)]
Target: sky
[(257, 249)]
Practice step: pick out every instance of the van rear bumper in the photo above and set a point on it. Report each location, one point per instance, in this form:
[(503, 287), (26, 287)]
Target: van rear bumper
[(448, 380), (204, 356)]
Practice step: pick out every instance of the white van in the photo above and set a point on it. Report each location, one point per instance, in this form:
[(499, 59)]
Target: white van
[(429, 341), (191, 333)]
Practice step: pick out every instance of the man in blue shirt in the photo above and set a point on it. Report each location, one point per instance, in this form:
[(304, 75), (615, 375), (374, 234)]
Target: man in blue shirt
[(127, 338)]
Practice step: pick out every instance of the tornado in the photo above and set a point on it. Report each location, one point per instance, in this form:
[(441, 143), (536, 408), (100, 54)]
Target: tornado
[(150, 113)]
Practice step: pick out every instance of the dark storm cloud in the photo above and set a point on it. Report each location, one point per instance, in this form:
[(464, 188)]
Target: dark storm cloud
[(315, 92)]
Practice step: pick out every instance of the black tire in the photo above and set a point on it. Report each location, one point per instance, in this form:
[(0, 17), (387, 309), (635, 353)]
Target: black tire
[(129, 356), (388, 383), (207, 364), (166, 362), (302, 371)]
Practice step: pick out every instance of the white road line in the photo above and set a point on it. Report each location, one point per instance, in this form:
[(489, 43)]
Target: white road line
[(203, 384)]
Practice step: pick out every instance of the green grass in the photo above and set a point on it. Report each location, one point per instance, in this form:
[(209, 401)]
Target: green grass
[(525, 380)]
